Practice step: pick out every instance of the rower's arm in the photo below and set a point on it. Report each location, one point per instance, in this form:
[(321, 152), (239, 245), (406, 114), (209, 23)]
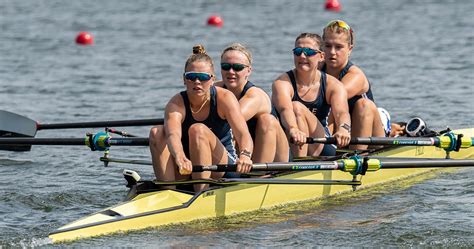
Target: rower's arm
[(337, 98), (355, 82), (231, 112), (255, 101), (174, 113), (281, 99)]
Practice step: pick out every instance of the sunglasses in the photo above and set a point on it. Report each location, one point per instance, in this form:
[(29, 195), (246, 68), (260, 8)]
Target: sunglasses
[(343, 25), (236, 66), (307, 51), (193, 76)]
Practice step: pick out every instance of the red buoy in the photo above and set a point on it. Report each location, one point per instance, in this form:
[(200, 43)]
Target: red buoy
[(84, 38), (333, 5), (215, 21)]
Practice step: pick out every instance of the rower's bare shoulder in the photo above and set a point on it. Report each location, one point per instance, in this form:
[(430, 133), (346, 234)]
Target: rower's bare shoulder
[(283, 78), (224, 94), (331, 80), (282, 83), (176, 102), (256, 92), (176, 99), (355, 70)]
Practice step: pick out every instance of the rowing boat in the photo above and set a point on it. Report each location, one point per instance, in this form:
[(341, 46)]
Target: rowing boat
[(149, 206)]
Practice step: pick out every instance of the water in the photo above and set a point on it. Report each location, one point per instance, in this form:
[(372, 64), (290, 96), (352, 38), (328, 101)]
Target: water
[(417, 54)]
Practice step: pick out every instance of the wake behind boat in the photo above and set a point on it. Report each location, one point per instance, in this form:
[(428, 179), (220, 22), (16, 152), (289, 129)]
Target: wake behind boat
[(149, 206)]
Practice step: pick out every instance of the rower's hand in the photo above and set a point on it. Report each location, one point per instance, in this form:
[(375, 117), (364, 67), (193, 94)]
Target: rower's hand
[(185, 166), (343, 137), (297, 137), (397, 130), (244, 164)]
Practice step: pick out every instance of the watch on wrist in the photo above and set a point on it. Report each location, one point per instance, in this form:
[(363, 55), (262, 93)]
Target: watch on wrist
[(346, 126)]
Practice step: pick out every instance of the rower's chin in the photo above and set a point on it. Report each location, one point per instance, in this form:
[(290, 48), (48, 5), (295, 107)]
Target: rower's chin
[(305, 67), (332, 63)]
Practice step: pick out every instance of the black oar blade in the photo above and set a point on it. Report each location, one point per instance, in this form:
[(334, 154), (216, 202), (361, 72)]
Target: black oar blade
[(14, 125)]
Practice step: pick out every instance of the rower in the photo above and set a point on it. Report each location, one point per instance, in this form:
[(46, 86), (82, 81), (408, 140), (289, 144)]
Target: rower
[(338, 39), (304, 96), (197, 129), (270, 142)]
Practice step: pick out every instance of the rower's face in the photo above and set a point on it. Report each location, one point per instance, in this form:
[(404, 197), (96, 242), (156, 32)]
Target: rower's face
[(304, 62), (238, 71), (336, 49), (196, 85)]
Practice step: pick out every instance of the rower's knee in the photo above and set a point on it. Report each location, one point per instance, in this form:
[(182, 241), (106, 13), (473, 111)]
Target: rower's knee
[(197, 131), (157, 134), (298, 108), (364, 109), (267, 123)]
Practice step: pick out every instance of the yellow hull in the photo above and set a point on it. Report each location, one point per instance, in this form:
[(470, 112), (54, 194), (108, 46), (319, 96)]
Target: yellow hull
[(168, 206)]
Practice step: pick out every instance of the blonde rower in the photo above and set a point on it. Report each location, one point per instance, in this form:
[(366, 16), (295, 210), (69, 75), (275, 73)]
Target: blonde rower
[(270, 142), (304, 96), (197, 127), (338, 39)]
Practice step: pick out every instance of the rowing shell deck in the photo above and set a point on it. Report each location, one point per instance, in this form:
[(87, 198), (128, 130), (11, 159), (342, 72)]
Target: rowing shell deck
[(165, 207)]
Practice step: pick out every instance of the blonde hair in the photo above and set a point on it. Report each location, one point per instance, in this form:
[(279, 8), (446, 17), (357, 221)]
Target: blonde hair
[(335, 27), (238, 47), (317, 38), (199, 54)]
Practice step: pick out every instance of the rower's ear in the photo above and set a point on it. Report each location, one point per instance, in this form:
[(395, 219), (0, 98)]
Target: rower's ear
[(351, 46)]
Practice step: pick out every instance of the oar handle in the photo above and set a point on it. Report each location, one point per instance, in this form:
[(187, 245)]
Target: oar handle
[(216, 168)]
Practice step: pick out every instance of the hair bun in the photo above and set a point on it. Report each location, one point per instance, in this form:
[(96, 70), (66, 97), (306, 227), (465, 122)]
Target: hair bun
[(199, 49)]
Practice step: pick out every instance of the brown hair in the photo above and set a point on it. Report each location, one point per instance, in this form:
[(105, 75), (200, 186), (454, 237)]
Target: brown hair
[(317, 38), (335, 27), (238, 47), (199, 54)]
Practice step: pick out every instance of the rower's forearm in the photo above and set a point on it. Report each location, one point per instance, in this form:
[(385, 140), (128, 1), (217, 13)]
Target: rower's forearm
[(245, 143), (342, 118), (288, 119), (174, 145)]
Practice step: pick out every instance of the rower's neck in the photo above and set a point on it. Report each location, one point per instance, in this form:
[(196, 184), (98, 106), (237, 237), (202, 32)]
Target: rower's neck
[(236, 90), (307, 78), (335, 71), (197, 101)]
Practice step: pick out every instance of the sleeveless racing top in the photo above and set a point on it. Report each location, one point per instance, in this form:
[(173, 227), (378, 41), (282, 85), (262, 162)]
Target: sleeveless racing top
[(319, 107), (216, 124), (353, 100)]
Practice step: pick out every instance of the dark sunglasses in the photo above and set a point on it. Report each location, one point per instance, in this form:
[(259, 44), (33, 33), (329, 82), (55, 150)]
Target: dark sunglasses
[(307, 51), (237, 66), (193, 76)]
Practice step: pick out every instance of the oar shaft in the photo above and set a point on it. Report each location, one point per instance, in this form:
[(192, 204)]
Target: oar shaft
[(289, 166), (98, 124), (426, 163), (380, 141), (126, 141), (449, 141)]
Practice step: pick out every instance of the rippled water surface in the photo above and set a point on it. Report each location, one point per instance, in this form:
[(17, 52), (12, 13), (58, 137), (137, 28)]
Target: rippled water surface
[(418, 55)]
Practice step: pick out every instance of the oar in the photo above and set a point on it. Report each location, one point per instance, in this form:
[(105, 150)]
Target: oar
[(99, 141), (449, 141), (355, 165), (14, 125), (238, 181)]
